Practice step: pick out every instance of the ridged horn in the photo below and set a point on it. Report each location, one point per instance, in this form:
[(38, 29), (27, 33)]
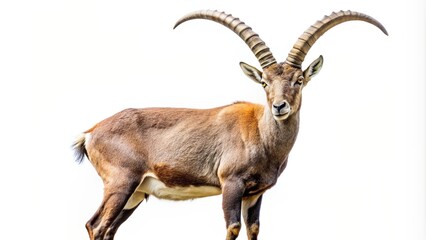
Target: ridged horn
[(311, 35), (257, 45)]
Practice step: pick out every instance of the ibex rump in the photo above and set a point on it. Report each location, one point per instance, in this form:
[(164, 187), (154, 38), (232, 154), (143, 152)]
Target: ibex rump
[(238, 150)]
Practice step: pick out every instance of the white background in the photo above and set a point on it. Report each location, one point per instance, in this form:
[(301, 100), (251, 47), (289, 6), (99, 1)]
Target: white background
[(357, 170)]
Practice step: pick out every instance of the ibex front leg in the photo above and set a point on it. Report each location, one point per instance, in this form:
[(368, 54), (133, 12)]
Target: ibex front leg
[(232, 192), (251, 211)]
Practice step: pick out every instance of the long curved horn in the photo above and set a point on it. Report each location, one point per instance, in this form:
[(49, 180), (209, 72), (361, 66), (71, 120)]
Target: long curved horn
[(311, 35), (257, 45)]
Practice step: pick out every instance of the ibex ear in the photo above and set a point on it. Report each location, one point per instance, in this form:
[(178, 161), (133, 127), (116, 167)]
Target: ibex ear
[(313, 69), (251, 72)]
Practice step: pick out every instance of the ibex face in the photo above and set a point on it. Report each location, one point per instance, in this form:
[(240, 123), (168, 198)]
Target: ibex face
[(283, 85)]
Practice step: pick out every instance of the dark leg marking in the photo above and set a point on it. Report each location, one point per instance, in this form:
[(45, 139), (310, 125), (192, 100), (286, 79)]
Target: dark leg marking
[(251, 217), (115, 198), (232, 196), (122, 217)]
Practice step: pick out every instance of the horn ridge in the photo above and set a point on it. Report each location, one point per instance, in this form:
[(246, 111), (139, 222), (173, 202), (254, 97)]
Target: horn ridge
[(245, 32), (314, 32)]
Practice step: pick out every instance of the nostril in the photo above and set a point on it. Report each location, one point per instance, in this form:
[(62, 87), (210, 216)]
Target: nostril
[(280, 105)]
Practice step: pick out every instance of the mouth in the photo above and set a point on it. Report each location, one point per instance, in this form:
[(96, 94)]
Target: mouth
[(283, 115)]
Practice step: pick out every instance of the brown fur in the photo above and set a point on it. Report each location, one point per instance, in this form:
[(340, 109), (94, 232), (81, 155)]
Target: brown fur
[(188, 147), (240, 149)]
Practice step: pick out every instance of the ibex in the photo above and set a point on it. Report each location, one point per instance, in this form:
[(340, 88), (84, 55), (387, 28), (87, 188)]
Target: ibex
[(238, 150)]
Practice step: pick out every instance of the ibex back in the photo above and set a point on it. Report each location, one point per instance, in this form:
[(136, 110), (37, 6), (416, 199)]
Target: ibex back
[(238, 150)]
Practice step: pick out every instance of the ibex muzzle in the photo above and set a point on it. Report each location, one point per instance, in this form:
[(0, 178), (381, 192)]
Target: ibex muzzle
[(238, 150)]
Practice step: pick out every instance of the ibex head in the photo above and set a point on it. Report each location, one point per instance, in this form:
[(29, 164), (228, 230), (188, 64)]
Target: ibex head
[(283, 82)]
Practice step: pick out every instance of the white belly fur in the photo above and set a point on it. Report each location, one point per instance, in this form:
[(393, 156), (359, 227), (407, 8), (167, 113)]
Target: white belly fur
[(153, 186)]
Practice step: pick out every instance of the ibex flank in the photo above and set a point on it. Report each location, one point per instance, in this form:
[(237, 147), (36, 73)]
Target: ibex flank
[(238, 150)]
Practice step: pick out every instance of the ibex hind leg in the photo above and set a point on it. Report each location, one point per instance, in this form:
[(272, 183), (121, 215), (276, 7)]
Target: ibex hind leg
[(122, 217), (125, 214), (111, 213)]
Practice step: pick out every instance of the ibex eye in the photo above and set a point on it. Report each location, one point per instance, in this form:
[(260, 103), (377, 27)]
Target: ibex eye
[(264, 84), (300, 80)]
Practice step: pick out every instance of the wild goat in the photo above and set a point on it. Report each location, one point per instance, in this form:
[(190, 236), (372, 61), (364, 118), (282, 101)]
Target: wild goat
[(238, 150)]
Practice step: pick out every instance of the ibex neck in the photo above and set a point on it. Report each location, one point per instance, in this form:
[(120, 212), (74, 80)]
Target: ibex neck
[(279, 136)]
